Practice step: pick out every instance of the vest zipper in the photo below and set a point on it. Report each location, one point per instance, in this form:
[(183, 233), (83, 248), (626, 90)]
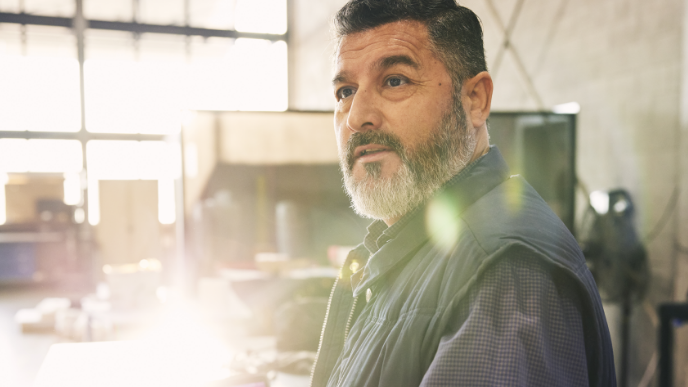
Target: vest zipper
[(346, 331), (322, 332), (351, 316)]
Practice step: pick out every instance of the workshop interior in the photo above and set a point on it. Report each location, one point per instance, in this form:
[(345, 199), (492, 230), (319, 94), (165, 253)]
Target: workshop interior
[(172, 206)]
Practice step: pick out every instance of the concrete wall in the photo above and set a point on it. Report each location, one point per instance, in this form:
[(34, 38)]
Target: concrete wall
[(310, 54), (277, 138), (622, 61)]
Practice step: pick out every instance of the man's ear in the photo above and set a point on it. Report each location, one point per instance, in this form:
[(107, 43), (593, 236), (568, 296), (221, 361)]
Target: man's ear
[(477, 96)]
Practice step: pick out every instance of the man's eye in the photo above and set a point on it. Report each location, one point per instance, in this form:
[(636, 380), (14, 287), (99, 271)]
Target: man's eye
[(345, 92), (395, 81)]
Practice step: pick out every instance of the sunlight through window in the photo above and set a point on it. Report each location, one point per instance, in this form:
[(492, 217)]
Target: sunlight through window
[(215, 14), (166, 204), (132, 97), (250, 74), (134, 160), (72, 188), (59, 156), (120, 10), (251, 16), (40, 90), (93, 201), (64, 8)]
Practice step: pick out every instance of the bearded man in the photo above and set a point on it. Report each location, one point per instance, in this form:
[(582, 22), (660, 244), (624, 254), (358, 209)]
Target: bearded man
[(466, 277)]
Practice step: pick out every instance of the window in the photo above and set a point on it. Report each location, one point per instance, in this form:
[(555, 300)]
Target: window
[(133, 160), (135, 84), (38, 155), (241, 74), (63, 8), (251, 16), (40, 80), (113, 10), (125, 95)]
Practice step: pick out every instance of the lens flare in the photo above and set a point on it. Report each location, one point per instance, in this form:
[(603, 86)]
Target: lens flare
[(442, 221)]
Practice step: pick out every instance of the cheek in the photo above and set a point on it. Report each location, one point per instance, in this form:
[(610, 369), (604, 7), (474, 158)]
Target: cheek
[(340, 135), (415, 126)]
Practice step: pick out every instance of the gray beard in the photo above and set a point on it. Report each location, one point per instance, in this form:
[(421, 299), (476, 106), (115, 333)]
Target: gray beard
[(423, 171)]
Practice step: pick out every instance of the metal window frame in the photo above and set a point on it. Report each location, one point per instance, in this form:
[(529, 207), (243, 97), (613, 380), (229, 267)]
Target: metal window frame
[(134, 27), (79, 24)]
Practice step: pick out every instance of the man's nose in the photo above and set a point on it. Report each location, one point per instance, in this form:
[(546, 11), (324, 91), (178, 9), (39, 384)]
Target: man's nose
[(364, 114)]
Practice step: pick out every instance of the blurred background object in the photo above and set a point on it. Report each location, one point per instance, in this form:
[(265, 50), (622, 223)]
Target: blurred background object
[(617, 259), (168, 171)]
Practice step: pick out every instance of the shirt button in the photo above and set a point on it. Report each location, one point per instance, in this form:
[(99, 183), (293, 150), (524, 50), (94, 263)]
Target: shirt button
[(369, 295)]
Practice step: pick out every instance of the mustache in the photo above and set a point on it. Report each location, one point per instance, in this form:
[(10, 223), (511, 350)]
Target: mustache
[(373, 137)]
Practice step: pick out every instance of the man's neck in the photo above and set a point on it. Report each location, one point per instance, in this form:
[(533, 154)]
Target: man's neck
[(390, 222)]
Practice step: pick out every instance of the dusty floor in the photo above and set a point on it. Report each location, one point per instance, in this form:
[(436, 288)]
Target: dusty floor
[(21, 354)]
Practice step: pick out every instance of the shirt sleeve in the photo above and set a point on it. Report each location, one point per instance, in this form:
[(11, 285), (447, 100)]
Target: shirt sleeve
[(521, 325)]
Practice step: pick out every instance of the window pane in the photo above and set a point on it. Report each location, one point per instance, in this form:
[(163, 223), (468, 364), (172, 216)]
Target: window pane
[(11, 94), (216, 14), (14, 155), (127, 96), (118, 10), (10, 39), (112, 160), (40, 91), (161, 12), (60, 156), (9, 6), (63, 8), (148, 95), (55, 156), (50, 41), (251, 16), (109, 45), (132, 160), (250, 74), (162, 48)]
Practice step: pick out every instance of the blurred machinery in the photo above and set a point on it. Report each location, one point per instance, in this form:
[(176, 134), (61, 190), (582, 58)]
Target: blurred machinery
[(41, 249), (616, 257)]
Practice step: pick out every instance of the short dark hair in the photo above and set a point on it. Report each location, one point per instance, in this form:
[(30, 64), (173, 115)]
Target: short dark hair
[(453, 30)]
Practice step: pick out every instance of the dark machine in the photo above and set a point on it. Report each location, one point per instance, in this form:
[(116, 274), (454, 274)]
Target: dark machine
[(616, 257)]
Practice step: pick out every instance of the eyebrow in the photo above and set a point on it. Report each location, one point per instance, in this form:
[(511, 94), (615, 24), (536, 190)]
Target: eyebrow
[(381, 64), (394, 60), (341, 77)]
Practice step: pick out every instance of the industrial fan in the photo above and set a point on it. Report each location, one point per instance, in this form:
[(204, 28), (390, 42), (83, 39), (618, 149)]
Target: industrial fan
[(616, 257)]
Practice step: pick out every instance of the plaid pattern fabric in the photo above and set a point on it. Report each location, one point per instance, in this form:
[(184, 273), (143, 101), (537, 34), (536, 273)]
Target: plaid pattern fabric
[(520, 326)]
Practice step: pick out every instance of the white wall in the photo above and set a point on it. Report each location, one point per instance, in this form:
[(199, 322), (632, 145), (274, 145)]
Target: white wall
[(277, 138), (310, 54)]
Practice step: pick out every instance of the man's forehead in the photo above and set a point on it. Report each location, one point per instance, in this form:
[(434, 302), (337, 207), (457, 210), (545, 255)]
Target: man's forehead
[(407, 37)]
